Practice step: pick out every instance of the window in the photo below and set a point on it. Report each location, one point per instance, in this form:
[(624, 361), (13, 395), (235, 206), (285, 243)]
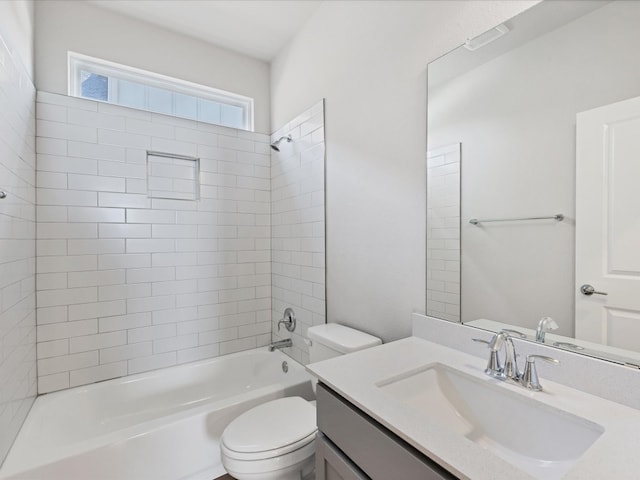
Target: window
[(109, 82)]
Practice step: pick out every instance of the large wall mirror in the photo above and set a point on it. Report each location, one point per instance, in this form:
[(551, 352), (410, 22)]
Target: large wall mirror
[(534, 179)]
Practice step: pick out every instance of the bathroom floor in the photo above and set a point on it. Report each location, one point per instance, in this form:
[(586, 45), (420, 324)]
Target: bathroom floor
[(224, 477)]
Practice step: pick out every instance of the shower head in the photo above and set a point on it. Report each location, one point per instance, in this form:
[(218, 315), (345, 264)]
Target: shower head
[(276, 145)]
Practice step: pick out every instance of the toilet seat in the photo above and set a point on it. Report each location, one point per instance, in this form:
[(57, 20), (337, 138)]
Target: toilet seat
[(270, 430), (264, 455)]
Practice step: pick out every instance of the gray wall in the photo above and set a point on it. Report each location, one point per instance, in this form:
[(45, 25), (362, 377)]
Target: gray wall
[(368, 60), (91, 30)]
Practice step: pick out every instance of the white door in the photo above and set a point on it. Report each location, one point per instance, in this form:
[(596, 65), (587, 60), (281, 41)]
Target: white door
[(608, 224)]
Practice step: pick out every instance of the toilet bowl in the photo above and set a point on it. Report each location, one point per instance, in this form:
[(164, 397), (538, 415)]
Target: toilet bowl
[(276, 440), (273, 441)]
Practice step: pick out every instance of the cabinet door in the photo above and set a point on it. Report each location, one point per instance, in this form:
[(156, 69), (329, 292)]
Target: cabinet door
[(331, 464)]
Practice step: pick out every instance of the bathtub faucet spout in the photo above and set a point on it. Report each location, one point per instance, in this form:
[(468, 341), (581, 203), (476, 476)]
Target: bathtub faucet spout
[(280, 344)]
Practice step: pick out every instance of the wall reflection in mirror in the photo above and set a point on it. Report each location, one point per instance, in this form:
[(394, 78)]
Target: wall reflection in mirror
[(534, 133)]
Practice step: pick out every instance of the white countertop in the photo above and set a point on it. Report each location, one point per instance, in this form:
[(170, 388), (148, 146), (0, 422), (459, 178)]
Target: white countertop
[(614, 455)]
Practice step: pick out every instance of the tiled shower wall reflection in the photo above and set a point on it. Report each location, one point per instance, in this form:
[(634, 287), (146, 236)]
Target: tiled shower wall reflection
[(17, 248), (298, 227), (128, 283), (443, 232)]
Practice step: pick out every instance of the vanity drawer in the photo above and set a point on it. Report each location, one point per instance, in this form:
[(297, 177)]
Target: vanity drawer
[(378, 452)]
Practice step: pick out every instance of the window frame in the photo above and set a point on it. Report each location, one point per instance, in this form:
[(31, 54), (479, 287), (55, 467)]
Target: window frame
[(78, 62)]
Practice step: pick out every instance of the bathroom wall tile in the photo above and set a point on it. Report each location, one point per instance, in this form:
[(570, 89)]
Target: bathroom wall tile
[(64, 263), (74, 102), (51, 180), (48, 315), (122, 292), (148, 128), (127, 260), (95, 183), (98, 373), (94, 151), (238, 345), (64, 164), (94, 278), (67, 230), (150, 216), (217, 336), (172, 344), (123, 322), (152, 362), (59, 331), (51, 383), (180, 316), (94, 246), (53, 348), (150, 245), (65, 363), (67, 296), (55, 113), (159, 144), (123, 200), (94, 342), (76, 116), (123, 139), (121, 230), (443, 283), (135, 283), (51, 281), (297, 216), (65, 131), (198, 353), (97, 309), (125, 352), (50, 197), (89, 214)]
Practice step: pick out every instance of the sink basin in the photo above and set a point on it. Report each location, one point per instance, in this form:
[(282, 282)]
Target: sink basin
[(541, 440)]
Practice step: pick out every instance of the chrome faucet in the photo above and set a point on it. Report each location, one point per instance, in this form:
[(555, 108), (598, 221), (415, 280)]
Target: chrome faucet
[(544, 325), (528, 378), (494, 368), (280, 344)]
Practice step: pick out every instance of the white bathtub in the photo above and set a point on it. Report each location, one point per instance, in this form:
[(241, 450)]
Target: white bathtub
[(159, 425)]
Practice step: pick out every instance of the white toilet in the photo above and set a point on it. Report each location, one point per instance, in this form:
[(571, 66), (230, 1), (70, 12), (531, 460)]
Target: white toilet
[(276, 440)]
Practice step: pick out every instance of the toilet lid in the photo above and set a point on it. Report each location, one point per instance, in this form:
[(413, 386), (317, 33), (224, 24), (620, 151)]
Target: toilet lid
[(271, 426)]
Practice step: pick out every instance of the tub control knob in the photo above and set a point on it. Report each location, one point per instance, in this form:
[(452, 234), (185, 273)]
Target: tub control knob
[(288, 320)]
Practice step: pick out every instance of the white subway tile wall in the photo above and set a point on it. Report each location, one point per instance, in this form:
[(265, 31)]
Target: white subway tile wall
[(17, 247), (128, 283), (443, 232), (298, 227)]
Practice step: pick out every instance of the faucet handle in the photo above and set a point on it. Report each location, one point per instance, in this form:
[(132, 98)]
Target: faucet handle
[(513, 333), (529, 377), (494, 368), (288, 320)]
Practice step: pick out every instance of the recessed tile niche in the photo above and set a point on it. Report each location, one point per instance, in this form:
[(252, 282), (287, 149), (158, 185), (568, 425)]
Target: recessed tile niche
[(172, 176)]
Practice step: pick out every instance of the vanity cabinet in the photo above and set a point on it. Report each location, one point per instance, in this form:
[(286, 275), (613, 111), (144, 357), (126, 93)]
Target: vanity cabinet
[(353, 446)]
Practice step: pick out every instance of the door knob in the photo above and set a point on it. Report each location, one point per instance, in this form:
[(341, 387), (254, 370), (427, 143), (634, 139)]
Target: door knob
[(588, 290)]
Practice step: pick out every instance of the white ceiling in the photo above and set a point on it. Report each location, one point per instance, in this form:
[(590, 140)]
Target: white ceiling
[(257, 28)]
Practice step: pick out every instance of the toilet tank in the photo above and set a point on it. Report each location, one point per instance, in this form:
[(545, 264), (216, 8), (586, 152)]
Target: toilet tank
[(331, 339)]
